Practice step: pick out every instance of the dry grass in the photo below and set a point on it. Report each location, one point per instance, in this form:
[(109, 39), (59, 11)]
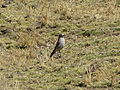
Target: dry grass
[(91, 58)]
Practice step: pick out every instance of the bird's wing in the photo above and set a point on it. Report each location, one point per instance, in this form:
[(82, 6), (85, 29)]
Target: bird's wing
[(56, 47)]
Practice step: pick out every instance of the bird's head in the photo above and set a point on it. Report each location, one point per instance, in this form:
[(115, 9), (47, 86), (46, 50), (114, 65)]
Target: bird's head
[(61, 35)]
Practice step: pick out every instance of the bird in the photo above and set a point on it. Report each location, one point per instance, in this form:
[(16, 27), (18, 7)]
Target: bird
[(59, 45)]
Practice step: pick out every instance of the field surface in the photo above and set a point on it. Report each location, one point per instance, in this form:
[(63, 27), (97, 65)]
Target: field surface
[(28, 33)]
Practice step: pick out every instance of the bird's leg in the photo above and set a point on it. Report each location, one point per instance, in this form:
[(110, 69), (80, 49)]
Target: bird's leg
[(59, 54)]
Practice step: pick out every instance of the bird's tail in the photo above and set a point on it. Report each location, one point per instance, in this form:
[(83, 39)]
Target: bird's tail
[(52, 53)]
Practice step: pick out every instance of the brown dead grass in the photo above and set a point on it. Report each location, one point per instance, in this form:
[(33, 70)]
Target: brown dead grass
[(90, 59)]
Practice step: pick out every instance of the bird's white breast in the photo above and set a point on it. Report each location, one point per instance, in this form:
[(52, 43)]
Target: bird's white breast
[(62, 42)]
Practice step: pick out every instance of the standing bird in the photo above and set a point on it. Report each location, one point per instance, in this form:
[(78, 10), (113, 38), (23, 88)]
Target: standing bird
[(59, 45)]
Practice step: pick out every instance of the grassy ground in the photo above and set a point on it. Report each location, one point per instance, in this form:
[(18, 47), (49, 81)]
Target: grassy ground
[(90, 59)]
